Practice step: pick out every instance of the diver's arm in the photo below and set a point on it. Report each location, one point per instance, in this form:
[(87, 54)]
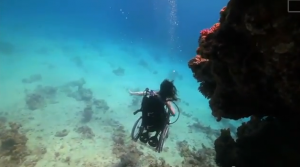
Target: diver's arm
[(171, 99), (137, 93), (170, 108)]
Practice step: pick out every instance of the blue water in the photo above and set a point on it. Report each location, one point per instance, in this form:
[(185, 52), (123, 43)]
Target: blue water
[(63, 41)]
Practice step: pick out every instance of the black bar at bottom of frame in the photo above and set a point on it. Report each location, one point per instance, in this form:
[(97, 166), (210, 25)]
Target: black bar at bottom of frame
[(294, 6)]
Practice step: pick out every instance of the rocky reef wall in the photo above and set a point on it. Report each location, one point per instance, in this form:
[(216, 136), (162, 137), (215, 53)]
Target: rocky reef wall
[(248, 65)]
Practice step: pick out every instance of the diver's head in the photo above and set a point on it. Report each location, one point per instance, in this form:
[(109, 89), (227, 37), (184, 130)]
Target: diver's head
[(168, 90)]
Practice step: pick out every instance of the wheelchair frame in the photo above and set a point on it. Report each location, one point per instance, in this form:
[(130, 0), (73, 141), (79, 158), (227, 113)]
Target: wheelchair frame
[(163, 133)]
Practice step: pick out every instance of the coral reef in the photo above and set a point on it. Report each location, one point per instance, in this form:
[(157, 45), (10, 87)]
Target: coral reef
[(62, 133), (201, 158), (127, 151), (77, 83), (136, 102), (32, 78), (49, 92), (101, 105), (12, 144), (77, 61), (95, 106), (120, 135), (35, 101), (250, 58), (197, 126), (119, 72), (83, 94), (248, 65), (85, 131), (130, 159), (261, 142), (40, 97), (159, 163), (80, 93), (87, 114), (119, 139)]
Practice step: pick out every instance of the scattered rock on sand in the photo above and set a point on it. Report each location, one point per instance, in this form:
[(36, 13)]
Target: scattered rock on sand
[(81, 94), (35, 101), (32, 78), (62, 133), (101, 105), (40, 97), (87, 114), (85, 131), (119, 72)]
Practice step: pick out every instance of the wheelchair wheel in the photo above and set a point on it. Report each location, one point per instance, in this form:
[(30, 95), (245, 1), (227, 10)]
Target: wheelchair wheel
[(162, 139), (167, 135), (137, 129)]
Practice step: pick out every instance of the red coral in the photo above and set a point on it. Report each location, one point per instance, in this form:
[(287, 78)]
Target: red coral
[(198, 59), (223, 9), (208, 31), (205, 32)]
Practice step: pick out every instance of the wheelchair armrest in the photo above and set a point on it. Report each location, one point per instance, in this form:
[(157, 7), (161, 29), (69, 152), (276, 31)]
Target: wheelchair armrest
[(134, 113)]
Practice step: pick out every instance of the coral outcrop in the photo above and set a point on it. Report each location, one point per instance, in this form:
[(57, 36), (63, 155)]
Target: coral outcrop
[(261, 142), (87, 114), (101, 105), (62, 133), (86, 132), (202, 157), (32, 78), (35, 101), (12, 144), (40, 97), (76, 90), (248, 64)]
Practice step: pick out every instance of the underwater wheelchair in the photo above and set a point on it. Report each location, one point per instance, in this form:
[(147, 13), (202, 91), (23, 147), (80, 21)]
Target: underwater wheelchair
[(155, 118)]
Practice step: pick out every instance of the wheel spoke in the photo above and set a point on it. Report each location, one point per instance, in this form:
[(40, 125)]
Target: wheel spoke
[(135, 132)]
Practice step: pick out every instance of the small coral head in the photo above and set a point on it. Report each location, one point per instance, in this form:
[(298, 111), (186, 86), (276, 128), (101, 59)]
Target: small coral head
[(205, 32), (223, 9), (215, 27), (199, 59)]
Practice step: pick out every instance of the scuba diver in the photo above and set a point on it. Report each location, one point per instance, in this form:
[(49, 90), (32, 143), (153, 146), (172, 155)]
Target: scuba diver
[(154, 113)]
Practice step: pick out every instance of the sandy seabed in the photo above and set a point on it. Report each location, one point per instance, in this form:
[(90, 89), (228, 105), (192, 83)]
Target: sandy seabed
[(72, 102)]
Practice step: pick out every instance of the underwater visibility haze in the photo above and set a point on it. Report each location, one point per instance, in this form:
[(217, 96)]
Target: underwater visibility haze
[(67, 69)]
